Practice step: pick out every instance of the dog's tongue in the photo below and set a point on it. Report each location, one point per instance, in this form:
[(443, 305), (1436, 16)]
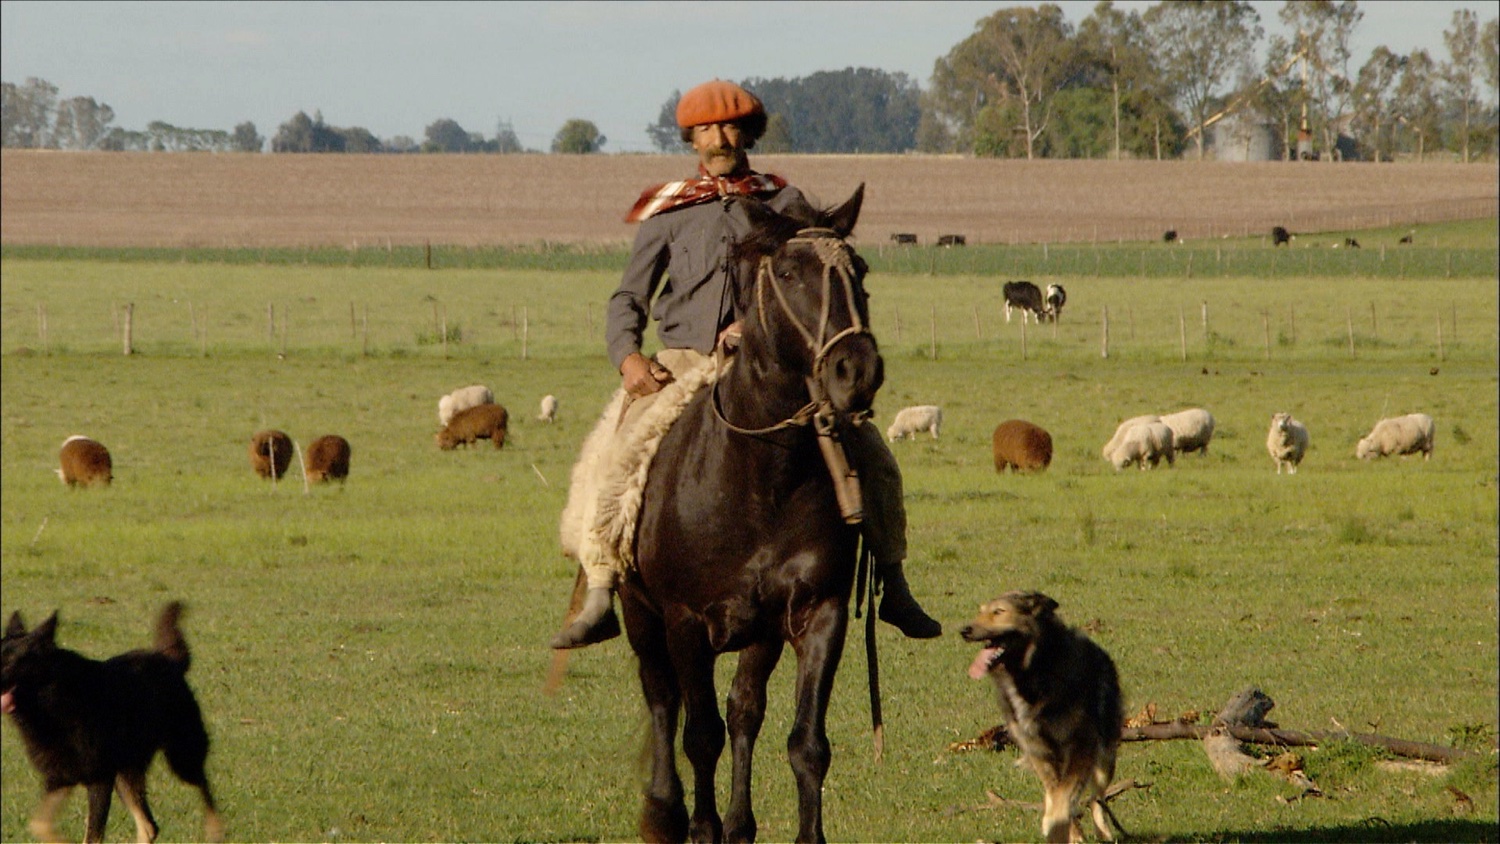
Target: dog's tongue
[(980, 667), (7, 701)]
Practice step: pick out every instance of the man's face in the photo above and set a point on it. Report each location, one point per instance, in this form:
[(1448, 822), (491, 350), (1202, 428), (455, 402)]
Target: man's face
[(720, 146)]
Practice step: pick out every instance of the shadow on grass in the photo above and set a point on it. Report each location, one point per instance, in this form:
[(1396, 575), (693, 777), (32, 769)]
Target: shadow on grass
[(1369, 830)]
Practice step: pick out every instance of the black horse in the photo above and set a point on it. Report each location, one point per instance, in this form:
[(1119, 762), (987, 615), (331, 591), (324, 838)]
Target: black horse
[(742, 544)]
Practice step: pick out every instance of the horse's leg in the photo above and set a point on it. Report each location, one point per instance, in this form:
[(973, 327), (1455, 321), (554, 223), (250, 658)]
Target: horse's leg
[(702, 728), (818, 651), (663, 815), (747, 710)]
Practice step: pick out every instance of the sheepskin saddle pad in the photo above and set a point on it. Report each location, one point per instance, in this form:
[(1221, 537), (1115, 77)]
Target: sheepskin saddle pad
[(609, 479)]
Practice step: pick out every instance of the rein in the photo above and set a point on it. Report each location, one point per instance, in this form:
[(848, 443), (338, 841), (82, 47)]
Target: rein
[(833, 252)]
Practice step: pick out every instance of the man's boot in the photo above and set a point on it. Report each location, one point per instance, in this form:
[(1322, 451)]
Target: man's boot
[(899, 609), (595, 622)]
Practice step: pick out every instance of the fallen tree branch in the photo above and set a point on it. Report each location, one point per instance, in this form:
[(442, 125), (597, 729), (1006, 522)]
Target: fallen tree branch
[(1298, 738)]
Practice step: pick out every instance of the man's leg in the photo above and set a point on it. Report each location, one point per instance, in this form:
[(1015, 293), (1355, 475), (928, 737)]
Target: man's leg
[(885, 530)]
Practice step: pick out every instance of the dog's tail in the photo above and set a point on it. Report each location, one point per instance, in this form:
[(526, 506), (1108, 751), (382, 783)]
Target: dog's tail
[(169, 639)]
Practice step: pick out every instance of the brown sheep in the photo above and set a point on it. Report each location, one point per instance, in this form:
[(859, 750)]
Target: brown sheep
[(1021, 446), (84, 461), (485, 421), (327, 459), (270, 449)]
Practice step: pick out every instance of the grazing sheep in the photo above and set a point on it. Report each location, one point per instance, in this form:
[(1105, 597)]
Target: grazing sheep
[(1114, 441), (911, 421), (548, 412), (462, 399), (483, 422), (1191, 429), (1143, 444), (1021, 446), (1407, 434), (84, 461), (270, 451), (327, 459), (1287, 442)]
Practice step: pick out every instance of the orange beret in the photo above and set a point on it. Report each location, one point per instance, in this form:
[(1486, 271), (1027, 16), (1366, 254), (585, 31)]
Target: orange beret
[(716, 102)]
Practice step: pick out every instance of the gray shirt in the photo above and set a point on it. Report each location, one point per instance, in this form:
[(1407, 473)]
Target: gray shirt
[(689, 248)]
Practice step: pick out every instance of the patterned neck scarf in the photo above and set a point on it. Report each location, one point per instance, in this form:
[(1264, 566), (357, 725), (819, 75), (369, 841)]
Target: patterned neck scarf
[(705, 188)]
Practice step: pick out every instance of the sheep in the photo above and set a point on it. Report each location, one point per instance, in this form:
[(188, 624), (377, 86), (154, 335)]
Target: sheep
[(327, 459), (462, 399), (1114, 441), (270, 450), (1191, 429), (548, 412), (1403, 435), (1143, 444), (485, 421), (1287, 442), (84, 461), (911, 421), (1021, 446)]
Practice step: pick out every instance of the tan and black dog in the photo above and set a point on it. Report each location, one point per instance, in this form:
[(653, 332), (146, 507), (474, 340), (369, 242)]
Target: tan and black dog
[(1060, 697)]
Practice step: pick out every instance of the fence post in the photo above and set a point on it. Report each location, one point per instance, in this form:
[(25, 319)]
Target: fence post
[(1374, 323), (443, 327), (978, 335), (41, 327), (525, 332), (364, 320), (1205, 321), (1104, 338), (1265, 321), (129, 328), (932, 322), (898, 327), (1441, 355), (1023, 335), (1349, 321), (1182, 331), (270, 322)]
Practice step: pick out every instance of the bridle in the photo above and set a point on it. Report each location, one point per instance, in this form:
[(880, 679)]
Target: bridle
[(837, 258)]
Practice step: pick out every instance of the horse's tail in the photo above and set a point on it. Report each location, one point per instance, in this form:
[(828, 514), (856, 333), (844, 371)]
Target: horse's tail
[(864, 584)]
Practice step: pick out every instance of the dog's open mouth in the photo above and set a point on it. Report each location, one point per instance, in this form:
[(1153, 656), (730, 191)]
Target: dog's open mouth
[(985, 660)]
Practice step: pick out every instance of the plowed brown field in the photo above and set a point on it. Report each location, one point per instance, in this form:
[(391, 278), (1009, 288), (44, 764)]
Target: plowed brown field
[(240, 200)]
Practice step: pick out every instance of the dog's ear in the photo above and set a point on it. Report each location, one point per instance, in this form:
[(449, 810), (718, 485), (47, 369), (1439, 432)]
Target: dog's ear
[(46, 632), (1035, 604), (15, 627)]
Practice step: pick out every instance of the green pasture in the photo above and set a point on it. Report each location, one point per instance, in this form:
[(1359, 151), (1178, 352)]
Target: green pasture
[(371, 656)]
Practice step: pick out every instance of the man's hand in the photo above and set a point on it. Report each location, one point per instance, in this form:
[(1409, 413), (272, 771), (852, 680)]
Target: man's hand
[(641, 376)]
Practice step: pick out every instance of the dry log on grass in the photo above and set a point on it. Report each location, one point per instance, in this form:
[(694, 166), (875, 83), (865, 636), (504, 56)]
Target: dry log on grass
[(1295, 738)]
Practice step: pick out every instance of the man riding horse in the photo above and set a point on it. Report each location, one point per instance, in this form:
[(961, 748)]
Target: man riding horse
[(687, 234)]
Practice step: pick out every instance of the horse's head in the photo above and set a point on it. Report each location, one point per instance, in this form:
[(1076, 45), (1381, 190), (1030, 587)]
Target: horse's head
[(802, 296)]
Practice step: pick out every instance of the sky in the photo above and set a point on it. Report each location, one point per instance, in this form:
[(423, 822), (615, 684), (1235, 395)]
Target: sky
[(396, 67)]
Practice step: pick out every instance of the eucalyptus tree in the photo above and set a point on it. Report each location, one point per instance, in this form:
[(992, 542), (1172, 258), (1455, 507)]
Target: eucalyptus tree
[(1200, 47), (81, 123), (1013, 66), (1373, 101), (1323, 30), (1460, 73), (1416, 102)]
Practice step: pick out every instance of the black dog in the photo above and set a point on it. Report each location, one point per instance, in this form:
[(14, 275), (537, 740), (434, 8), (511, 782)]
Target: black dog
[(99, 724)]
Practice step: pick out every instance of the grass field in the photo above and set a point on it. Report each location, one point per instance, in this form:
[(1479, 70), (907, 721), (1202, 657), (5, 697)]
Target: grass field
[(370, 657)]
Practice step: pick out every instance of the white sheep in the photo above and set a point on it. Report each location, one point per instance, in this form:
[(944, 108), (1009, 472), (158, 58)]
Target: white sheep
[(911, 421), (1191, 429), (1407, 434), (1287, 442), (462, 399), (548, 411), (1143, 444), (1114, 441)]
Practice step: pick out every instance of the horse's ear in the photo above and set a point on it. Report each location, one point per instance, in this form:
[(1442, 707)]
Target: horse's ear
[(843, 218)]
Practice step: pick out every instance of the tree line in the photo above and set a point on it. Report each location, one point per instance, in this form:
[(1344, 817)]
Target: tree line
[(1027, 83)]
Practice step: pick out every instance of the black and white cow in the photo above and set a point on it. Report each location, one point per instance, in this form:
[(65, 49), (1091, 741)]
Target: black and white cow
[(1052, 303), (1025, 296)]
